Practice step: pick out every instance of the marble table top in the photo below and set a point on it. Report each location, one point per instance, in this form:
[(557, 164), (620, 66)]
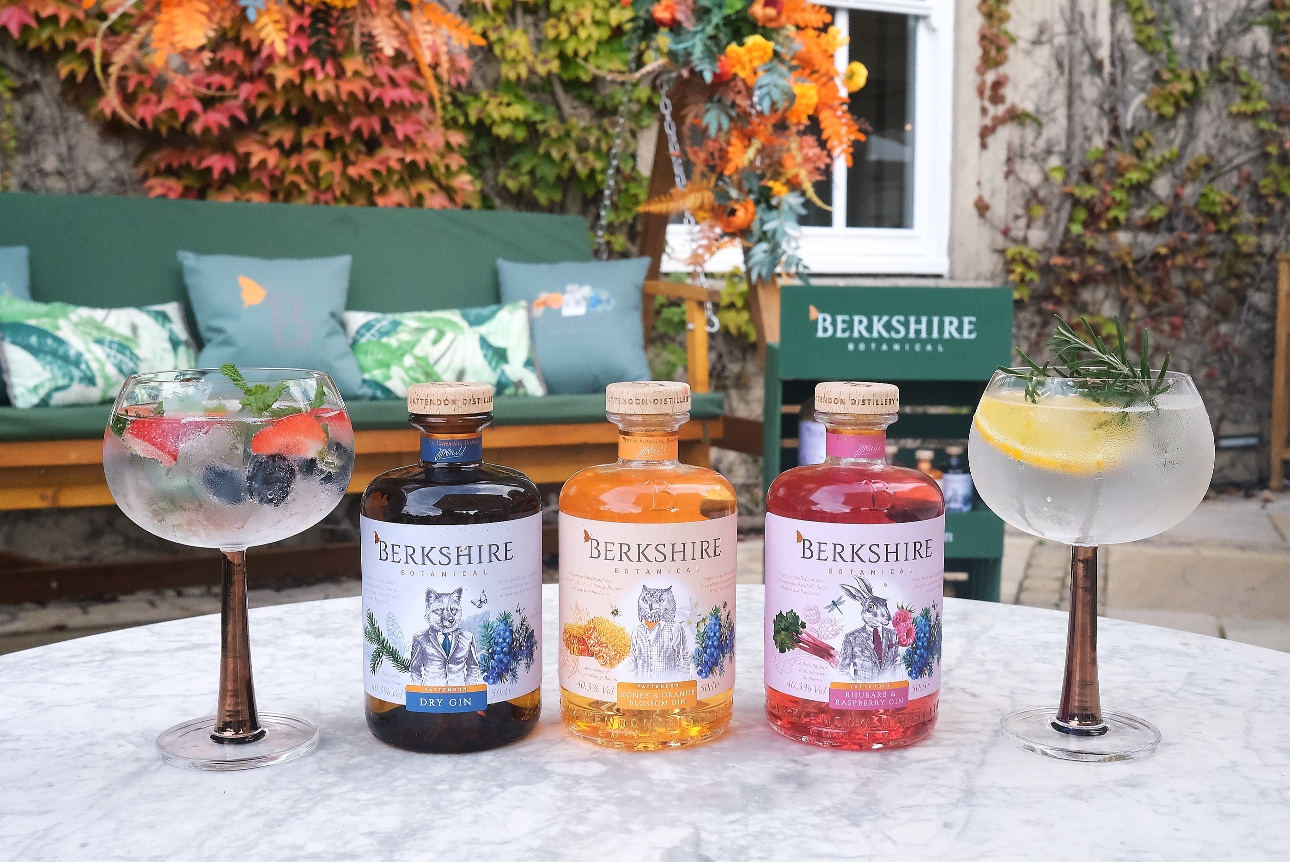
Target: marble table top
[(81, 780)]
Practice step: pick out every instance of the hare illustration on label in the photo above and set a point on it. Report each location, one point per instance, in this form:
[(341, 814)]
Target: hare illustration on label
[(869, 652)]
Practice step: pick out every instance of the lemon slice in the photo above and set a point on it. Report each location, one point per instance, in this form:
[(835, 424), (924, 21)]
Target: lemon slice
[(1066, 433)]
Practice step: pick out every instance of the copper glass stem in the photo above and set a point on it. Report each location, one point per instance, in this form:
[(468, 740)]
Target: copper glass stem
[(236, 720), (1080, 712)]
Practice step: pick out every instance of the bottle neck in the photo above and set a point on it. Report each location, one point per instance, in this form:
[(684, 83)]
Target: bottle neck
[(456, 440), (452, 448), (855, 439), (868, 446), (653, 440)]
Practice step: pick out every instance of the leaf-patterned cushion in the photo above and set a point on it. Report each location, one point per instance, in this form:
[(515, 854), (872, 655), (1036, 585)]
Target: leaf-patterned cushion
[(483, 345), (58, 354)]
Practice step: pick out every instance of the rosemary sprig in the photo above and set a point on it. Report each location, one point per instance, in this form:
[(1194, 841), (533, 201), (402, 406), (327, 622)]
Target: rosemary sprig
[(1099, 373)]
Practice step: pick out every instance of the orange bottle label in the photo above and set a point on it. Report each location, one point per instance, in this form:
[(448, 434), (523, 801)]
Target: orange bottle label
[(642, 447)]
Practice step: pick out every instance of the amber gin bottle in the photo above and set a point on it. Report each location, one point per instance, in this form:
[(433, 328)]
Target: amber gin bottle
[(855, 571), (647, 585), (452, 586)]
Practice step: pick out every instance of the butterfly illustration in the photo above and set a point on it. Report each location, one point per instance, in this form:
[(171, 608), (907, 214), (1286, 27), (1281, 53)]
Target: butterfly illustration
[(377, 536), (483, 600), (799, 537), (586, 537)]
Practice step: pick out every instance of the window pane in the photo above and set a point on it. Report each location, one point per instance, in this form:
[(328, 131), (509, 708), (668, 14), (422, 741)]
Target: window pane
[(880, 183)]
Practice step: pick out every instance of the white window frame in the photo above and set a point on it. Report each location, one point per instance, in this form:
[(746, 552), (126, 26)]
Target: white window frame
[(922, 249)]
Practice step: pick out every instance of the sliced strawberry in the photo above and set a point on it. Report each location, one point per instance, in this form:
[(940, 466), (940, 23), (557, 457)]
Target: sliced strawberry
[(156, 437), (296, 436)]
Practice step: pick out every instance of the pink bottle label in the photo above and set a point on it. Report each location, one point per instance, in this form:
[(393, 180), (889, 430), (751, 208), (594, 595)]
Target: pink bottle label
[(853, 611), (870, 446)]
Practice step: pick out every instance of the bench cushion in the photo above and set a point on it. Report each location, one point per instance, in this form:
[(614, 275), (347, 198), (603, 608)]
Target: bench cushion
[(85, 422)]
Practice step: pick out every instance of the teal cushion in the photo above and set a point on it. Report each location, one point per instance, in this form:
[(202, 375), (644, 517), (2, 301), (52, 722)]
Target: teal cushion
[(586, 320), (273, 313), (483, 345), (58, 354), (15, 275), (84, 423)]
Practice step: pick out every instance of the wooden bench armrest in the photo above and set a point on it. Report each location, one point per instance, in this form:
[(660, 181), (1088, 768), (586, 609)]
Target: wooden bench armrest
[(696, 324)]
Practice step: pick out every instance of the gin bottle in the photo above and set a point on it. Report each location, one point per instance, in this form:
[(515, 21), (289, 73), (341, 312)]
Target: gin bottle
[(452, 586), (647, 584), (855, 569)]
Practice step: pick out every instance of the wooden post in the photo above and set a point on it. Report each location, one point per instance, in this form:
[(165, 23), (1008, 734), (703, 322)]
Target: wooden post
[(1281, 376), (696, 345), (763, 302)]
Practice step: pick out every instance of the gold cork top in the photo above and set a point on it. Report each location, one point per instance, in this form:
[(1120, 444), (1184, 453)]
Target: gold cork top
[(647, 397), (450, 399), (857, 398)]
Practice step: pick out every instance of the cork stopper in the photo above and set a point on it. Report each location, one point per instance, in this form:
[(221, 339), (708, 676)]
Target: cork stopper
[(647, 397), (449, 399), (857, 398)]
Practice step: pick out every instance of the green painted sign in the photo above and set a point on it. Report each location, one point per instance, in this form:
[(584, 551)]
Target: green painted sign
[(894, 333)]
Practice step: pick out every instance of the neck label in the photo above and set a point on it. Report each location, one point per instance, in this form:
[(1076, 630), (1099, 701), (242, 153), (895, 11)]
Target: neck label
[(871, 446), (639, 447), (457, 450)]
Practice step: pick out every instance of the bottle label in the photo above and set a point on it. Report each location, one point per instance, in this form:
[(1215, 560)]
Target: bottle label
[(639, 447), (957, 488), (871, 445), (452, 615), (853, 611), (452, 450), (647, 611)]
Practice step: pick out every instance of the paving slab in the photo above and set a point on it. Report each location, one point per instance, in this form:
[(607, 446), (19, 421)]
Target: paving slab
[(1272, 634), (1201, 624), (1213, 580), (750, 557), (1248, 523), (1016, 553)]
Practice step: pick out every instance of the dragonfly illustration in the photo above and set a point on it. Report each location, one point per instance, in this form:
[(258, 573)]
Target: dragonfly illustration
[(836, 604), (483, 600)]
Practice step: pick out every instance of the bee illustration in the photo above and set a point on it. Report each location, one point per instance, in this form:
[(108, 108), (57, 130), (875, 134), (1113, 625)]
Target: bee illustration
[(483, 600), (613, 610)]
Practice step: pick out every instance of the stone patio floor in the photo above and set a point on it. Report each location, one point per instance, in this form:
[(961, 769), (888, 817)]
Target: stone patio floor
[(1223, 572)]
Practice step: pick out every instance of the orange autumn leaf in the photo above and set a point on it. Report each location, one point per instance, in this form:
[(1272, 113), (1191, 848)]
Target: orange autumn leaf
[(451, 25), (271, 26), (182, 25)]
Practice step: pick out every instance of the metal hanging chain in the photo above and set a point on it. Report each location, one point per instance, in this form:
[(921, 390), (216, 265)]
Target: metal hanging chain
[(611, 174), (711, 323)]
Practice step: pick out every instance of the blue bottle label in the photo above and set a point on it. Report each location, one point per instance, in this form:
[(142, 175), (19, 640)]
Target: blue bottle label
[(458, 451)]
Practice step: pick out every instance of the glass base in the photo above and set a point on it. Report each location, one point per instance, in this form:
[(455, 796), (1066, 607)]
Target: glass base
[(1124, 737), (189, 745)]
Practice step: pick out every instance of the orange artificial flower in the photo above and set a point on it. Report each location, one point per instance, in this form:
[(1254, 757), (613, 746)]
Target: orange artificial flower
[(776, 189), (737, 217), (855, 76), (755, 52), (768, 13), (807, 97), (664, 13), (725, 70)]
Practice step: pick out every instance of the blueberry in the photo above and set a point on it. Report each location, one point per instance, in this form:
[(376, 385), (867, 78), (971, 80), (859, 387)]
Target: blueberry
[(270, 479), (224, 483)]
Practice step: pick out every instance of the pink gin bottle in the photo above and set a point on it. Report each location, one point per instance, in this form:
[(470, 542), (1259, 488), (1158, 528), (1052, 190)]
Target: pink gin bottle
[(855, 571)]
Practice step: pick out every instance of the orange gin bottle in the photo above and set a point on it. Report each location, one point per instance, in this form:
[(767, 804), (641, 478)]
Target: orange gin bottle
[(647, 585), (855, 572)]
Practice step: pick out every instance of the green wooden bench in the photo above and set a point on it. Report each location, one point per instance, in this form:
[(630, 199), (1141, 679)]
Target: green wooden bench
[(959, 336), (112, 252)]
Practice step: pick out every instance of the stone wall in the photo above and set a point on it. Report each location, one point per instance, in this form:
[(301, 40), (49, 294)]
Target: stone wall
[(60, 151)]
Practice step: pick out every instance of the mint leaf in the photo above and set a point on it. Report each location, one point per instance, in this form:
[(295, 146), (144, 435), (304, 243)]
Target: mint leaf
[(260, 398), (319, 395)]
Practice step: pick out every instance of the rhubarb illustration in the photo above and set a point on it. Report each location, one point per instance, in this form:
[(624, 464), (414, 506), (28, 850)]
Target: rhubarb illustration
[(790, 633)]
